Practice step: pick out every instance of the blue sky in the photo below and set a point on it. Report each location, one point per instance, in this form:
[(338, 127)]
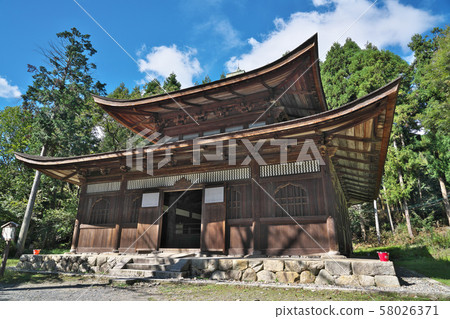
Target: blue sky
[(199, 37)]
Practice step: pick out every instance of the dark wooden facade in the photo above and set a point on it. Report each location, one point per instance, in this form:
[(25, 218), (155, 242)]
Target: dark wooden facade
[(293, 208)]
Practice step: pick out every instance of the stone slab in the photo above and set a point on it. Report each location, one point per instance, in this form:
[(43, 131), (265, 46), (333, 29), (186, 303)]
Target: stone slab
[(373, 268), (338, 267)]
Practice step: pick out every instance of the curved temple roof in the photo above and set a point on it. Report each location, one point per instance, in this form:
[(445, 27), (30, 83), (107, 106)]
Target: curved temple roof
[(356, 137), (293, 82)]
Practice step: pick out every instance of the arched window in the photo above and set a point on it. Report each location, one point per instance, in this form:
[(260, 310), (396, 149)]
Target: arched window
[(293, 198), (100, 212)]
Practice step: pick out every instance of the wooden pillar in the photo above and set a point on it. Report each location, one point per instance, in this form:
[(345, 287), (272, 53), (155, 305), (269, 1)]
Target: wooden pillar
[(119, 212), (256, 209), (330, 202), (331, 230), (76, 228)]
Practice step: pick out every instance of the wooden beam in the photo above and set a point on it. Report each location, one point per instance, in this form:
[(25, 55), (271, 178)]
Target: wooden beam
[(355, 138), (350, 149), (191, 104), (370, 175), (338, 157), (354, 168), (212, 98)]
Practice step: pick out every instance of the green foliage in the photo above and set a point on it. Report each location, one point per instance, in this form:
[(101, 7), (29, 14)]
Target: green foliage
[(113, 135), (171, 83), (153, 88), (61, 96), (350, 72), (207, 79)]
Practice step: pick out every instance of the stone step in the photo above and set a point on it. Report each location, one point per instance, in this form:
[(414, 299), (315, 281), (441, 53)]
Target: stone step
[(154, 260), (128, 273), (140, 266)]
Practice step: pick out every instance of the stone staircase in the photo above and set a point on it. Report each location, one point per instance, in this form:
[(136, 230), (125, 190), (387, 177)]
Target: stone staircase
[(160, 266)]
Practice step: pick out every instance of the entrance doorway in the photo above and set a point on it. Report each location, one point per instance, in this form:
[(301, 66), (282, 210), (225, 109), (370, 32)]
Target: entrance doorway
[(182, 222)]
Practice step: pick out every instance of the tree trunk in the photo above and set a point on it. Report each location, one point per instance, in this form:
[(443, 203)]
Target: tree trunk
[(389, 212), (419, 185), (377, 225), (405, 204), (362, 224), (445, 197), (29, 210)]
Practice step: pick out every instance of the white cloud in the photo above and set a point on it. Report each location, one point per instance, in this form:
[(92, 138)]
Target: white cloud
[(409, 58), (7, 90), (163, 60), (319, 3), (388, 23), (230, 36)]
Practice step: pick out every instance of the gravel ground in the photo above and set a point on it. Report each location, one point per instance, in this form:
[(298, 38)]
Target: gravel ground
[(99, 289)]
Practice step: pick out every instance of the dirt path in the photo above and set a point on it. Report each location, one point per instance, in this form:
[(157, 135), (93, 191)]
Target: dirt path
[(83, 288)]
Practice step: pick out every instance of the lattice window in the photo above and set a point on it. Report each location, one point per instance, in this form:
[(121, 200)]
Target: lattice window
[(100, 212), (134, 214), (234, 204), (293, 198)]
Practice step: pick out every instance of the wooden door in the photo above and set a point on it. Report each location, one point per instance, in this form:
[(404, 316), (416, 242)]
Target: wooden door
[(149, 227), (213, 220)]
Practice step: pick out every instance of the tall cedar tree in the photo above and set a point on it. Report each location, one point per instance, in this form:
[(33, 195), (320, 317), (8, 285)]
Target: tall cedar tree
[(60, 97)]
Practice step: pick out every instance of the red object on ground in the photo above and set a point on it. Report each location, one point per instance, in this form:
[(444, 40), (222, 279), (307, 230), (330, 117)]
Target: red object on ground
[(36, 251), (384, 256)]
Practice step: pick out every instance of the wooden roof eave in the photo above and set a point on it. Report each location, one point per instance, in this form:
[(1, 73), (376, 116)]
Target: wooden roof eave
[(326, 121), (184, 98)]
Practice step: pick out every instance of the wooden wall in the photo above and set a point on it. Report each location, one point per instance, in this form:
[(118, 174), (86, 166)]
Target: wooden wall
[(249, 221)]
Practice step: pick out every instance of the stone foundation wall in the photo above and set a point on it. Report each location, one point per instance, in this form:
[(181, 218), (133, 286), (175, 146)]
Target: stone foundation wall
[(339, 272), (79, 263)]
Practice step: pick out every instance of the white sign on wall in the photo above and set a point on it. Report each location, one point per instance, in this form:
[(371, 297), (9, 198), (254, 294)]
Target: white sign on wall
[(214, 195), (150, 200)]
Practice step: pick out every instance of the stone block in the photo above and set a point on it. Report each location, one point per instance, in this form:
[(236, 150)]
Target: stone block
[(295, 265), (366, 281), (373, 268), (266, 276), (347, 280), (249, 275), (386, 281), (180, 265), (23, 258), (240, 264), (84, 267), (27, 265), (307, 277), (49, 265), (338, 267), (235, 274), (225, 264), (219, 275), (101, 260), (257, 265), (324, 278), (273, 265), (74, 267), (287, 277), (92, 261), (315, 266)]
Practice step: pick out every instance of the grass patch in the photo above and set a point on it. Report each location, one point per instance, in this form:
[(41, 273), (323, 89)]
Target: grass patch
[(436, 269), (211, 292), (420, 258), (54, 251), (12, 277)]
